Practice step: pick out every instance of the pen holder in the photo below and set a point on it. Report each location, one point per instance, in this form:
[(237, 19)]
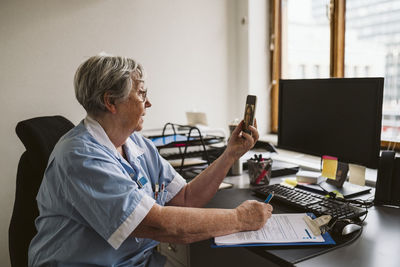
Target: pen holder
[(259, 171)]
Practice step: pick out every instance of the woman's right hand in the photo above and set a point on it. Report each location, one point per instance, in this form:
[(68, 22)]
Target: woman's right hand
[(252, 214), (240, 142)]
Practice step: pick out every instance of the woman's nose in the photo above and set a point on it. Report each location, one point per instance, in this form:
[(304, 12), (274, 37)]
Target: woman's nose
[(147, 104)]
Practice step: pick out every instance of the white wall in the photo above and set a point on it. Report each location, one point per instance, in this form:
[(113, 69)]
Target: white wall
[(252, 61), (187, 47)]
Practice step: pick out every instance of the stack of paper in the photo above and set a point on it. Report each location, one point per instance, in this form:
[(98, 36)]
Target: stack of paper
[(309, 177)]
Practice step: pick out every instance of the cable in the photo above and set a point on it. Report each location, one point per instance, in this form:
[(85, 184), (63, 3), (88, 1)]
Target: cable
[(357, 202), (323, 189), (361, 203)]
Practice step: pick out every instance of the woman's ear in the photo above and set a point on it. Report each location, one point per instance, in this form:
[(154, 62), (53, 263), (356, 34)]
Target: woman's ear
[(109, 103)]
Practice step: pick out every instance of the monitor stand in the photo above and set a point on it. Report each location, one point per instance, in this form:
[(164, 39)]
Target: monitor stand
[(348, 190)]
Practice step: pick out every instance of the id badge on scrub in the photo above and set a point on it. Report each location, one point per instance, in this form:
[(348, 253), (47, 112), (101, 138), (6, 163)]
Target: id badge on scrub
[(142, 182)]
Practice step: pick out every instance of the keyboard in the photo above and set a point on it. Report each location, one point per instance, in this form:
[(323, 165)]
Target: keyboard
[(311, 202)]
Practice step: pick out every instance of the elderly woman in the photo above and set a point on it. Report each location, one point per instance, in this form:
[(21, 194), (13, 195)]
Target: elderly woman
[(99, 204)]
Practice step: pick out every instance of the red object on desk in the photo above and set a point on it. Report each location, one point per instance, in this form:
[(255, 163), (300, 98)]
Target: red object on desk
[(262, 174)]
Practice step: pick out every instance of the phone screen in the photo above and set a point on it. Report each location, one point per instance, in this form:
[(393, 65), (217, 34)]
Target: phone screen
[(249, 112)]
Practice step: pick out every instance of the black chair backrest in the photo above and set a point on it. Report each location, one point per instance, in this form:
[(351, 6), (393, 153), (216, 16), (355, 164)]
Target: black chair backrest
[(39, 136)]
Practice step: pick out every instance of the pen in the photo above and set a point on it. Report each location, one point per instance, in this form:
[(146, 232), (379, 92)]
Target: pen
[(262, 174), (269, 197), (162, 189), (156, 191)]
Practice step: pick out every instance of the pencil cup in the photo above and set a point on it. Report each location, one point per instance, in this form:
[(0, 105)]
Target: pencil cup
[(259, 171)]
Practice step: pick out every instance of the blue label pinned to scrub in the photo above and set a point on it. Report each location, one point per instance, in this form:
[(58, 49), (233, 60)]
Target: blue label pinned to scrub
[(142, 182)]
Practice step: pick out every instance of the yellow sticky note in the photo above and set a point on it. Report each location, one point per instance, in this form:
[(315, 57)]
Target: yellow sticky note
[(291, 182), (329, 167), (338, 194)]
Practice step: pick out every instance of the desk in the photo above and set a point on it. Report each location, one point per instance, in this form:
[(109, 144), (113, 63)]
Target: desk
[(379, 244)]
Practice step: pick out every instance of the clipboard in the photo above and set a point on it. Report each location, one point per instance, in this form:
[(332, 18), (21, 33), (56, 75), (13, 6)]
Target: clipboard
[(328, 241)]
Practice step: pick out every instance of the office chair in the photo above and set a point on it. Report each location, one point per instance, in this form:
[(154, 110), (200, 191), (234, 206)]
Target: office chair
[(39, 136)]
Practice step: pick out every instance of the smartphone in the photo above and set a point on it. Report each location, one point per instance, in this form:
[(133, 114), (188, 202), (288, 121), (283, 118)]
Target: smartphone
[(249, 112)]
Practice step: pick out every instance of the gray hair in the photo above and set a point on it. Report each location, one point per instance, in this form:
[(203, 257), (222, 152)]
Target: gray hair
[(102, 74)]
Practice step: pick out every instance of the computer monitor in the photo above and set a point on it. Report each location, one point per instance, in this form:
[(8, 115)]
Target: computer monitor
[(339, 117)]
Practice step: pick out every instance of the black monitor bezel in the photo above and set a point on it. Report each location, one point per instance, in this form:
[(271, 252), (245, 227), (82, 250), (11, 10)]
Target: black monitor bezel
[(372, 162)]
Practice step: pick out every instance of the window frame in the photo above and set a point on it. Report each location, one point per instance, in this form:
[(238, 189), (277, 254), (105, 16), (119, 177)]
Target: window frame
[(275, 50)]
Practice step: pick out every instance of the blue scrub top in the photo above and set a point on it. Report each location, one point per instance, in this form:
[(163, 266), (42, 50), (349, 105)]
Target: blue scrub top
[(91, 199)]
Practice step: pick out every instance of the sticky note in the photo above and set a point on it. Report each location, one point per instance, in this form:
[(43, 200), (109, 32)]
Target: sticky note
[(357, 174), (338, 194), (329, 167), (291, 182)]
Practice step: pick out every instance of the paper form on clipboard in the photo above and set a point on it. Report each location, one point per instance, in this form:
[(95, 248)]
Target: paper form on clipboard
[(280, 228)]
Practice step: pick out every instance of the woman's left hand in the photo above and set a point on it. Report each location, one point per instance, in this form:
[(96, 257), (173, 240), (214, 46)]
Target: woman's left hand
[(241, 142)]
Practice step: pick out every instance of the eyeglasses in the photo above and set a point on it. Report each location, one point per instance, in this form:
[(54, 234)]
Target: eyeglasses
[(142, 94)]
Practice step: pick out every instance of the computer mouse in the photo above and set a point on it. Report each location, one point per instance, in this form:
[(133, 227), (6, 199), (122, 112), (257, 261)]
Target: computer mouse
[(350, 228), (344, 227)]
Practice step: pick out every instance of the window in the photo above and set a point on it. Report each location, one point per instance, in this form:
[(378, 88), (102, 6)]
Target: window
[(373, 43), (338, 38), (305, 39)]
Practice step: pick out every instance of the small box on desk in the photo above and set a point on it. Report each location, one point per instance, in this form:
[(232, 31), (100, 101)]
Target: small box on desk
[(309, 177)]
